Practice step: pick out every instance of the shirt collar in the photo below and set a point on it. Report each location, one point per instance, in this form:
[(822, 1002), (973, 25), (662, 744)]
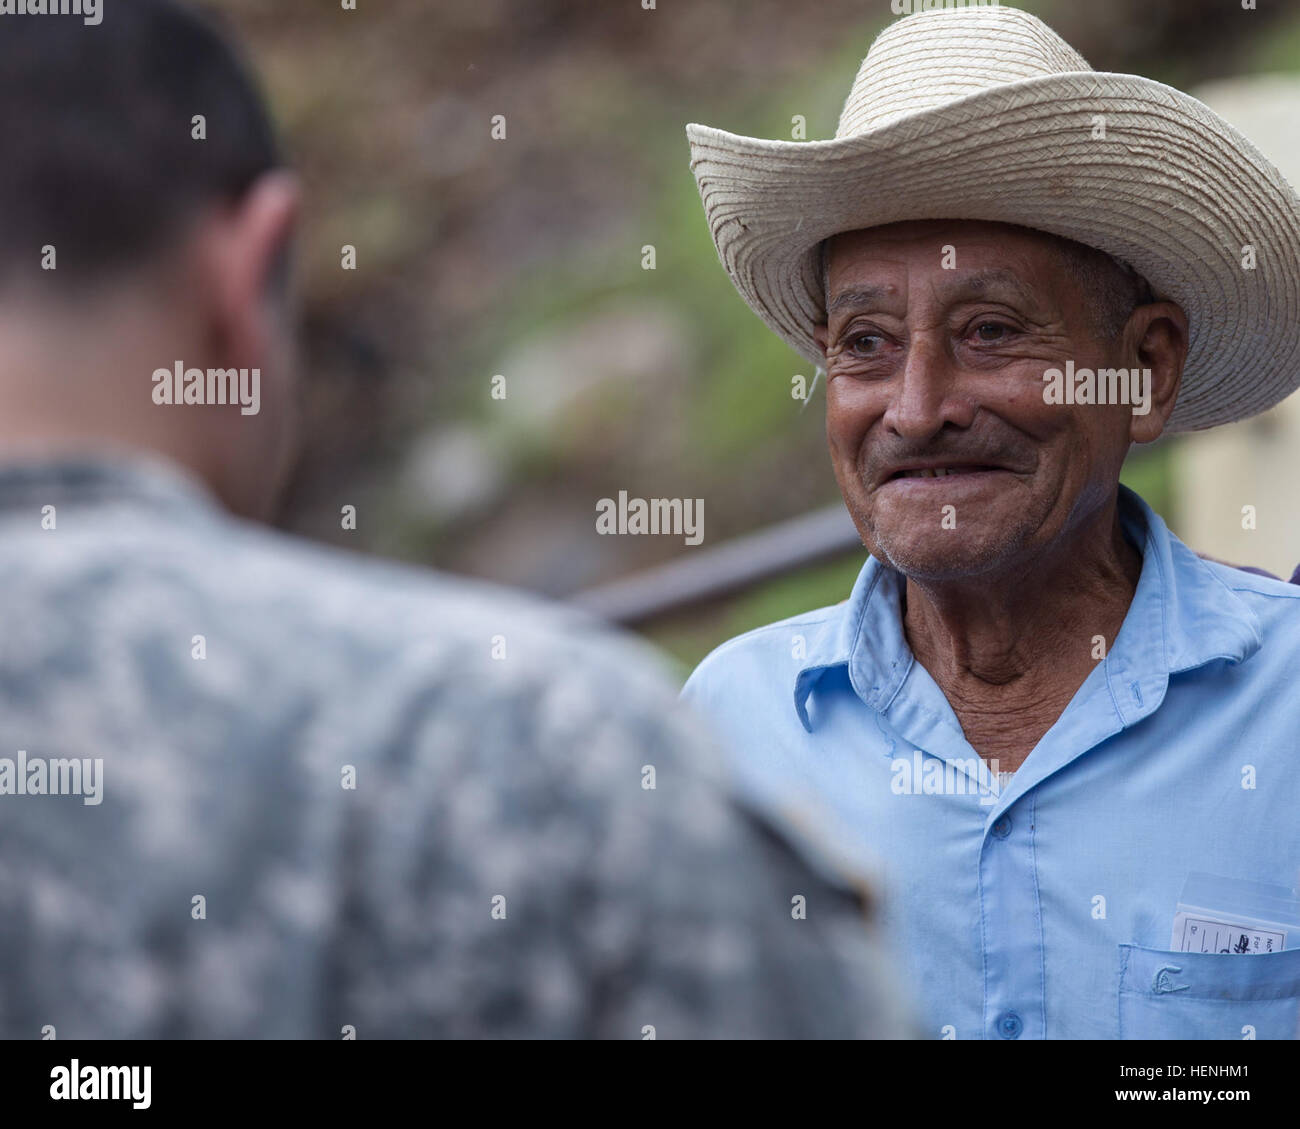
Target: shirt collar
[(1182, 616)]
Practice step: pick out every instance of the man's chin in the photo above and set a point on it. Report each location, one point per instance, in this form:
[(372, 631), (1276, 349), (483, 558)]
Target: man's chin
[(939, 558)]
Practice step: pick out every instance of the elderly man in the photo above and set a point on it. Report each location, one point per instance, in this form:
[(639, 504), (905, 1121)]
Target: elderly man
[(1071, 742)]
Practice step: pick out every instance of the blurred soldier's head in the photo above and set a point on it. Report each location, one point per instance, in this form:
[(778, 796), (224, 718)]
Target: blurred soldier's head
[(145, 223)]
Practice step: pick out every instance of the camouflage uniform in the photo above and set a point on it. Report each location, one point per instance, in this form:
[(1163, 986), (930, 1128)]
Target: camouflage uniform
[(499, 869)]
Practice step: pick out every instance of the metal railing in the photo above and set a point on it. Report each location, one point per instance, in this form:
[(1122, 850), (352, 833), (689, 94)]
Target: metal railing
[(713, 573)]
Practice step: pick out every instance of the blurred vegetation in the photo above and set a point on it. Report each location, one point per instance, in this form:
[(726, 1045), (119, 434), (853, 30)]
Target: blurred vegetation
[(523, 257)]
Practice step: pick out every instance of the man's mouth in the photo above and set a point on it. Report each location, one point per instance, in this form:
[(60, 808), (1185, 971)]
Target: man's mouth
[(940, 471)]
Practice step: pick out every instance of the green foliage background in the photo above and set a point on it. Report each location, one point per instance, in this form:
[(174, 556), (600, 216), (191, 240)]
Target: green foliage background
[(523, 258)]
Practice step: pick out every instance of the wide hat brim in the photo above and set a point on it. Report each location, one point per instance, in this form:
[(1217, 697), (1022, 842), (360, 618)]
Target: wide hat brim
[(1172, 189)]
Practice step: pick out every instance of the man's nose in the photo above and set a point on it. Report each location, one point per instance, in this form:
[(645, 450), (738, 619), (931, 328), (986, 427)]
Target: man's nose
[(925, 393)]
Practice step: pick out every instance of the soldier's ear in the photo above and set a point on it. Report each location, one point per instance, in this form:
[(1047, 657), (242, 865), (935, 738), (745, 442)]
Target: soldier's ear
[(242, 254)]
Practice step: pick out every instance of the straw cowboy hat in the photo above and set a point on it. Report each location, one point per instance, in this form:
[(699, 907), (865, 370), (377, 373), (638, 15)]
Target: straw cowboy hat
[(984, 113)]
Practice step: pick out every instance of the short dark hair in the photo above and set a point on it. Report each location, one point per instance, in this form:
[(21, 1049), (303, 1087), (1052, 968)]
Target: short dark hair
[(1113, 288), (97, 156)]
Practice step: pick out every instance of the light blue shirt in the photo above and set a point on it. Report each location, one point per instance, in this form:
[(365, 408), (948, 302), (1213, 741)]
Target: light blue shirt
[(1046, 911)]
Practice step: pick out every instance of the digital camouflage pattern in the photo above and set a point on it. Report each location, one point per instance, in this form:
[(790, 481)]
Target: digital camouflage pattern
[(501, 866)]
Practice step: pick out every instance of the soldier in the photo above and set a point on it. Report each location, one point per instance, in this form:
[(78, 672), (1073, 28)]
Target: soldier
[(330, 797)]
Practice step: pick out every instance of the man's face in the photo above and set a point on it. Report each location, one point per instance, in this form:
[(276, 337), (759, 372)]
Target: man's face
[(932, 368)]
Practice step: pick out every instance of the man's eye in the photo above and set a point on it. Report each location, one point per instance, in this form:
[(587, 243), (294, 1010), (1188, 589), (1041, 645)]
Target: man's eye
[(865, 343), (992, 331)]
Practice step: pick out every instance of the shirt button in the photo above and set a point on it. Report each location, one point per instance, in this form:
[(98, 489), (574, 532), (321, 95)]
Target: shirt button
[(1009, 1025), (1002, 828)]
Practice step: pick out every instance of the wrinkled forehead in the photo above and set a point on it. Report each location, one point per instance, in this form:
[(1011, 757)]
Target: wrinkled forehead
[(960, 258)]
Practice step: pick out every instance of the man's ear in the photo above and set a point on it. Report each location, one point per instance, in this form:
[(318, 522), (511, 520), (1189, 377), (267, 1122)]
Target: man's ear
[(1156, 339), (243, 251)]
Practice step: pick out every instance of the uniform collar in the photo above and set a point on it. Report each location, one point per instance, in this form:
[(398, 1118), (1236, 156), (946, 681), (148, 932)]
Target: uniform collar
[(1182, 617), (115, 476)]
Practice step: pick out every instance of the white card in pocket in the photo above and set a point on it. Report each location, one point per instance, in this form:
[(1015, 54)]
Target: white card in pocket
[(1196, 934), (1235, 915)]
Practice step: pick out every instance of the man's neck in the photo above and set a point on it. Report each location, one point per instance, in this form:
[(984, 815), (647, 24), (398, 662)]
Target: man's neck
[(1009, 651), (77, 388)]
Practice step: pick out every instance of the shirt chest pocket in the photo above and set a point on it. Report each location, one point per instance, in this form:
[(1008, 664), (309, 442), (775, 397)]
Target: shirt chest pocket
[(1171, 995)]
